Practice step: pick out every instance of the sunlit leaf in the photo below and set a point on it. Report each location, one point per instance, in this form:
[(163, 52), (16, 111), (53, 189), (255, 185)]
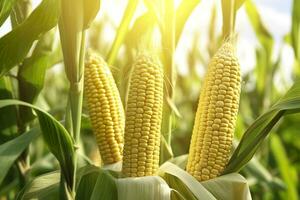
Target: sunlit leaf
[(91, 8), (261, 127), (5, 8), (183, 13), (12, 149), (32, 72), (295, 32), (122, 31), (15, 45), (140, 27), (263, 35)]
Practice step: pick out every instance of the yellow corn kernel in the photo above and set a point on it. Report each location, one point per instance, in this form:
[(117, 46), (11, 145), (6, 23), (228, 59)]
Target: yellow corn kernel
[(216, 116), (143, 118), (105, 109)]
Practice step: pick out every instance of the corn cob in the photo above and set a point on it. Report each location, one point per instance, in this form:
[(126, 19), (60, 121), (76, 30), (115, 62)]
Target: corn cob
[(216, 115), (105, 109), (143, 118)]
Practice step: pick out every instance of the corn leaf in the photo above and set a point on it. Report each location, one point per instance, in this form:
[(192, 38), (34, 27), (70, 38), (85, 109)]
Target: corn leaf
[(15, 45), (255, 169), (157, 9), (295, 32), (176, 184), (47, 186), (8, 115), (32, 72), (146, 188), (122, 31), (44, 187), (55, 136), (260, 128), (105, 187), (141, 25), (6, 7), (228, 187), (87, 178), (12, 149), (285, 168), (91, 8), (229, 10), (183, 13), (262, 34), (198, 190)]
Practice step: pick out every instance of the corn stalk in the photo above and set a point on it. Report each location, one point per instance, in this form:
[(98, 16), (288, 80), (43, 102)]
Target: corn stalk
[(168, 43)]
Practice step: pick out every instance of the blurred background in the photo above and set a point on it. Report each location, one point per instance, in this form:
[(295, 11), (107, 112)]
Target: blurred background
[(267, 34)]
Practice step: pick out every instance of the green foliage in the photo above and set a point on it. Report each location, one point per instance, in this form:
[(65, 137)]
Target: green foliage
[(122, 31), (12, 149), (256, 133), (55, 135), (286, 170), (8, 115), (32, 73), (15, 45), (5, 8)]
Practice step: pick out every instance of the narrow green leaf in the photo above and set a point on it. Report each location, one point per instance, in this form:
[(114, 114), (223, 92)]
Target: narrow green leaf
[(183, 13), (140, 27), (285, 168), (12, 149), (176, 184), (15, 45), (44, 187), (6, 7), (263, 35), (260, 128), (257, 170), (91, 8), (87, 184), (8, 116), (32, 72), (105, 187), (122, 31), (229, 10), (55, 136), (295, 32)]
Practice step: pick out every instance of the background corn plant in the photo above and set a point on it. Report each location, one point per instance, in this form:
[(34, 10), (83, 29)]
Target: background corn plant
[(31, 70)]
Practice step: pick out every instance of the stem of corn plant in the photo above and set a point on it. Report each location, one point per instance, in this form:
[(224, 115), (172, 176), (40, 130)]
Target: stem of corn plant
[(20, 12), (229, 12), (168, 43), (75, 98)]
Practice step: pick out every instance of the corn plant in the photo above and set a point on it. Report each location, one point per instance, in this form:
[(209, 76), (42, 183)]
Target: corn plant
[(121, 121)]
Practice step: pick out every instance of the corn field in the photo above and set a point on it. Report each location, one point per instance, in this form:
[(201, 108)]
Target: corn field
[(149, 99)]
